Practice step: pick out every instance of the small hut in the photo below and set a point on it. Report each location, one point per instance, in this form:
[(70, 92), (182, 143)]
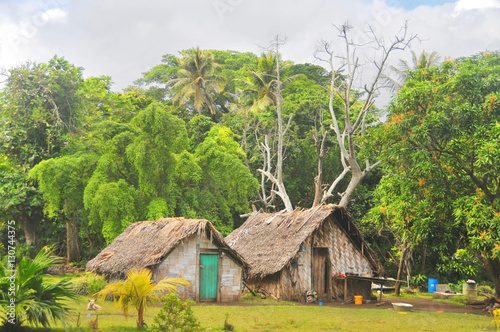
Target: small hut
[(177, 247), (292, 253)]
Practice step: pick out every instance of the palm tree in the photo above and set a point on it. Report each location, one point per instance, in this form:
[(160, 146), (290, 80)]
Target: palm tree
[(139, 291), (260, 85), (400, 73), (198, 78), (36, 302)]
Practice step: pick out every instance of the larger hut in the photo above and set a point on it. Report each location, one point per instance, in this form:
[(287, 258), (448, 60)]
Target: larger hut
[(177, 247), (306, 250)]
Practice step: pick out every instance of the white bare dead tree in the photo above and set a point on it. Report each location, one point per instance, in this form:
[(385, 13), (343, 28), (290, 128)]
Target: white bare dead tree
[(277, 177), (346, 70)]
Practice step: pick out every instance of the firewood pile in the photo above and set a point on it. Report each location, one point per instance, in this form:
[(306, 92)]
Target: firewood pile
[(491, 303), (264, 293)]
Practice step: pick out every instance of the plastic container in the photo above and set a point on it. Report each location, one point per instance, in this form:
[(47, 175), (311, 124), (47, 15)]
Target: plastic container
[(358, 299), (402, 306), (432, 285)]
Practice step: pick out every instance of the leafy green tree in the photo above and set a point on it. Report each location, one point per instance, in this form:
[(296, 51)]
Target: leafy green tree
[(139, 291), (37, 302), (62, 182), (137, 166), (226, 183), (441, 144), (40, 112)]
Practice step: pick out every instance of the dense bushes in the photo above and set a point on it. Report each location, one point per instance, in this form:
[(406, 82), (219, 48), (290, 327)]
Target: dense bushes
[(89, 284)]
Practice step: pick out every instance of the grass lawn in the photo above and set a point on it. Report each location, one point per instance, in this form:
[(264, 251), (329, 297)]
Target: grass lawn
[(267, 315), (290, 317)]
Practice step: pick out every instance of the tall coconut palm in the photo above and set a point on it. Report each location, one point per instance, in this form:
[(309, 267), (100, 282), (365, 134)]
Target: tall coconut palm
[(198, 78), (399, 74), (139, 291), (260, 85)]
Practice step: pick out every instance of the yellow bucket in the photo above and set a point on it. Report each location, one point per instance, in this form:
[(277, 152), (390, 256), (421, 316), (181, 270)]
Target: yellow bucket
[(358, 299)]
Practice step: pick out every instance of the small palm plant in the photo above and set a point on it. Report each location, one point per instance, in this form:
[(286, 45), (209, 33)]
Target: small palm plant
[(36, 301), (139, 291)]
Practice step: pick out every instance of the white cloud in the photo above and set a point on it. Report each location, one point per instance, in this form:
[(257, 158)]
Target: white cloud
[(123, 38), (475, 4), (53, 15)]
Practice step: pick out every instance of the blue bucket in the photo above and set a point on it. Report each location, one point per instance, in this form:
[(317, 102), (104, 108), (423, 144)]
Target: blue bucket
[(432, 285)]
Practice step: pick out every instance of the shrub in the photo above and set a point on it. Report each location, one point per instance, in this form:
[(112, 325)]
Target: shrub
[(485, 289), (176, 315), (89, 284), (419, 281), (496, 319)]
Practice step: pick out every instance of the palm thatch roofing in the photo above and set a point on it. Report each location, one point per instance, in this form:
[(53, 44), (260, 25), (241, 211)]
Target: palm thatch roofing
[(269, 241), (145, 244)]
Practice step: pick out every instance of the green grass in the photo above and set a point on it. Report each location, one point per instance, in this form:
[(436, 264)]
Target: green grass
[(291, 317), (256, 314)]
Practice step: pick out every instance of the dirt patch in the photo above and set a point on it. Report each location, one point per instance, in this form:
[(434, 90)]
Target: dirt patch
[(419, 304), (59, 270)]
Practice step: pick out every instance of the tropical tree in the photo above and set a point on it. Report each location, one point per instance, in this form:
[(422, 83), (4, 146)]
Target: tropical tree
[(198, 79), (226, 185), (62, 181), (139, 291), (441, 146), (37, 302), (398, 75), (41, 111)]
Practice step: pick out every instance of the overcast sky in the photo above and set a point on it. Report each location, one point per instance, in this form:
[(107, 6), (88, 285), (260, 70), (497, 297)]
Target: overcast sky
[(123, 38)]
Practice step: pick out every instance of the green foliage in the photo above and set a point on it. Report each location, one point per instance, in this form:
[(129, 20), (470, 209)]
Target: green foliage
[(176, 315), (439, 144), (89, 284), (197, 78), (226, 183), (485, 289), (37, 302), (138, 291), (419, 280)]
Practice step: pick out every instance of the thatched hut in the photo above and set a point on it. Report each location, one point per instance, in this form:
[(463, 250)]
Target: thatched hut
[(177, 247), (292, 253)]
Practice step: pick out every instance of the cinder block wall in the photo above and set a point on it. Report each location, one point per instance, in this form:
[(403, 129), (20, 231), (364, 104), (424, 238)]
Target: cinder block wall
[(230, 287), (183, 262)]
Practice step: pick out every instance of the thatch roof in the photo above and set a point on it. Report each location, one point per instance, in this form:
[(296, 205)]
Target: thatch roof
[(144, 244), (269, 241)]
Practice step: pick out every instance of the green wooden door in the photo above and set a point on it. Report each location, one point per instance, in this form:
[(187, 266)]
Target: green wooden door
[(209, 268)]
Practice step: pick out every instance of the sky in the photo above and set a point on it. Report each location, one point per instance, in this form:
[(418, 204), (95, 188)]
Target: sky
[(124, 38)]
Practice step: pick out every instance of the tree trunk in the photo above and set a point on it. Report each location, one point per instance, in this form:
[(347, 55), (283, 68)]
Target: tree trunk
[(72, 241), (493, 268), (351, 188), (30, 228), (318, 180), (421, 270), (140, 317), (400, 269)]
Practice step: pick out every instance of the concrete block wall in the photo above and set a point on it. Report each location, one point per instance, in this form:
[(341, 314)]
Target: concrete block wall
[(230, 281), (183, 262)]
